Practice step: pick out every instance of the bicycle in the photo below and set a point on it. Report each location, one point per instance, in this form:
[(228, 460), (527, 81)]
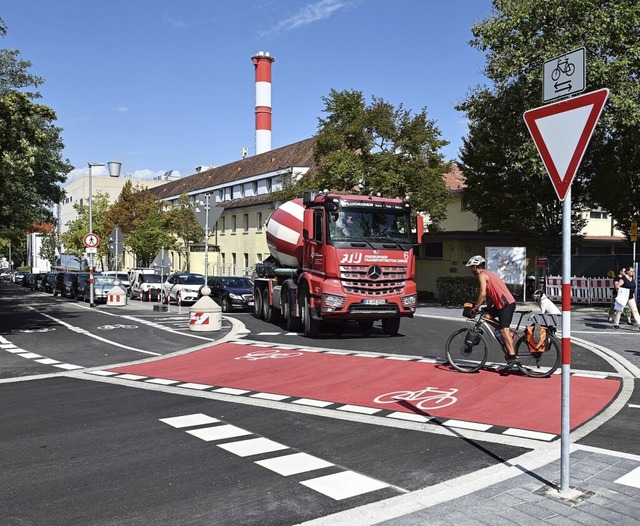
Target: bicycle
[(467, 350)]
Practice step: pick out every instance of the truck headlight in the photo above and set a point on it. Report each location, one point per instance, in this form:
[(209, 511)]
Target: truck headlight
[(330, 302), (410, 301)]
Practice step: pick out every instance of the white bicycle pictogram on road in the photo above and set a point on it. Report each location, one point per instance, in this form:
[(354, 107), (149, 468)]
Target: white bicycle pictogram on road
[(263, 355), (427, 398)]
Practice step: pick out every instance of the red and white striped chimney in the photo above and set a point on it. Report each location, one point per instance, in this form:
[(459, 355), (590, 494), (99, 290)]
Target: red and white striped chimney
[(262, 61)]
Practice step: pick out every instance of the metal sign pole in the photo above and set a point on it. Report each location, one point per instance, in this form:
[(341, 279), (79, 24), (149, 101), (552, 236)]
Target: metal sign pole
[(565, 443)]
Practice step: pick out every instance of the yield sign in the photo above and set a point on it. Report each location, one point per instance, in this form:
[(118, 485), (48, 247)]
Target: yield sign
[(562, 131)]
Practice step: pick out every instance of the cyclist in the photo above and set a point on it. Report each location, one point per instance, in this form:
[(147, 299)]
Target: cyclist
[(502, 306)]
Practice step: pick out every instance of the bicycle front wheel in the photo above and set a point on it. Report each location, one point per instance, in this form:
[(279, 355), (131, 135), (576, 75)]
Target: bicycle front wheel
[(462, 357), (538, 364)]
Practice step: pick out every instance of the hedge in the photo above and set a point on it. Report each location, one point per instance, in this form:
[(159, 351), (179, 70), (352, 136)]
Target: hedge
[(457, 290)]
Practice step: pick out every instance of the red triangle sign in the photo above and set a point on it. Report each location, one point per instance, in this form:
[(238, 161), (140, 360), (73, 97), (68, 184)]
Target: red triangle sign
[(562, 131)]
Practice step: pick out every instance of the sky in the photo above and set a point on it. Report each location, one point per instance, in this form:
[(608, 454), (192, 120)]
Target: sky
[(165, 85)]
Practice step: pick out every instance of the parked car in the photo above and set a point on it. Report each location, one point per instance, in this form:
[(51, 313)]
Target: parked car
[(80, 286), (58, 284), (67, 284), (231, 292), (146, 286), (5, 273), (26, 279), (36, 281), (122, 277), (18, 276), (183, 287), (49, 282), (101, 286)]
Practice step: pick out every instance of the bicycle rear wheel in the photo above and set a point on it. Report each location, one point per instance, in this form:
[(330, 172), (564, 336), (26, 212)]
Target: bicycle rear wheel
[(538, 364), (462, 357)]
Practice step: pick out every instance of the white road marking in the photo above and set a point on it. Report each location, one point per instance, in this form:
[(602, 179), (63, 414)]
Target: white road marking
[(253, 446), (359, 409), (209, 434), (196, 419), (293, 464), (343, 485), (313, 403), (630, 479), (536, 435)]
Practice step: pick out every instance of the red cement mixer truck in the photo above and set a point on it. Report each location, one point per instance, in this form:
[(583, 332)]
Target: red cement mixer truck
[(337, 258)]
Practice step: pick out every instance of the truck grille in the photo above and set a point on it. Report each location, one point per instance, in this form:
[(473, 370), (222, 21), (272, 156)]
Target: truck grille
[(373, 280)]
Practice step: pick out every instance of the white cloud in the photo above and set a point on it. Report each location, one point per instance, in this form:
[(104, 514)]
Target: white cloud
[(308, 15)]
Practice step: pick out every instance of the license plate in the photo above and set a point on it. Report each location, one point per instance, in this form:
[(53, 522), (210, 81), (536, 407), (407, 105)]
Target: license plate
[(374, 302), (250, 303)]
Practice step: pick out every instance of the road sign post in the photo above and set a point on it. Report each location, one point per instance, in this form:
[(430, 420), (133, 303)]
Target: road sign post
[(561, 133), (91, 241)]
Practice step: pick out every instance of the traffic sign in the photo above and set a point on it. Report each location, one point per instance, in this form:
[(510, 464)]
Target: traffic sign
[(91, 240), (563, 75), (561, 133)]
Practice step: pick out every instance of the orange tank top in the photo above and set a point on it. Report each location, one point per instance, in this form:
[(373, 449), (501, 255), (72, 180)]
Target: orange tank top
[(498, 292)]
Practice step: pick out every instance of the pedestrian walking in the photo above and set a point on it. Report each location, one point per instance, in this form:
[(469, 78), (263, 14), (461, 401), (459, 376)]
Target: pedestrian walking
[(625, 296)]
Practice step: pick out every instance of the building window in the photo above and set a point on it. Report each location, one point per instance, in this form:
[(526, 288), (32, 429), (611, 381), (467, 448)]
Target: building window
[(233, 224), (464, 204), (259, 229), (599, 213), (245, 256), (268, 184), (254, 187), (433, 250), (222, 225), (258, 258), (245, 223), (234, 262)]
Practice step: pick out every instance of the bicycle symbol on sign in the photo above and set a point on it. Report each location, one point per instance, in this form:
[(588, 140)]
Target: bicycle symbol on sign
[(263, 355), (563, 66), (428, 398), (116, 326)]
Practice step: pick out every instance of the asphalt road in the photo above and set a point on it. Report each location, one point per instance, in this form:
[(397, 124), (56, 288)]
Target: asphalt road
[(83, 444)]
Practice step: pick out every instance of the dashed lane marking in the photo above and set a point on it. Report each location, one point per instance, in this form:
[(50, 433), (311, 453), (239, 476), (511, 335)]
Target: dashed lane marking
[(287, 461)]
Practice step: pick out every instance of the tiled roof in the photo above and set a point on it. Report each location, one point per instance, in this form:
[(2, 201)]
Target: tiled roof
[(455, 179), (296, 154)]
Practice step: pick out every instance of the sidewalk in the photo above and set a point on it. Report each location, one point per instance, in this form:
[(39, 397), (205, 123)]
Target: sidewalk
[(604, 489)]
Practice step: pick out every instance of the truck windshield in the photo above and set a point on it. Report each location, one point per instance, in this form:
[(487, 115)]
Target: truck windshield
[(351, 224)]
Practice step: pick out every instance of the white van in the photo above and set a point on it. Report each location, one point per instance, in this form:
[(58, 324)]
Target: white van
[(122, 277)]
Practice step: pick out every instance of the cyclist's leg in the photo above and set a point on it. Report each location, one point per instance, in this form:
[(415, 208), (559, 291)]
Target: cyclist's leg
[(505, 315)]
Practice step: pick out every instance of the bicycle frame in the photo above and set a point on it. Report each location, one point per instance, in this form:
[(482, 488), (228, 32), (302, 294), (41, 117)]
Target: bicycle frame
[(490, 325)]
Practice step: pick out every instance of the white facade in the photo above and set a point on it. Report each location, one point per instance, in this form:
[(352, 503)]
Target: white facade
[(77, 192)]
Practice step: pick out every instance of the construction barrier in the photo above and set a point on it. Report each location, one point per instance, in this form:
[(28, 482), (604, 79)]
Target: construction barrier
[(584, 291)]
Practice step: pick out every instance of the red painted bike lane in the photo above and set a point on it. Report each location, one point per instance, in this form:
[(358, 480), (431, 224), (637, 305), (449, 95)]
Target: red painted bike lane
[(486, 397)]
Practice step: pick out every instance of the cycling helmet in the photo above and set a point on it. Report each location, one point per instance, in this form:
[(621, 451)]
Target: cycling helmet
[(475, 261)]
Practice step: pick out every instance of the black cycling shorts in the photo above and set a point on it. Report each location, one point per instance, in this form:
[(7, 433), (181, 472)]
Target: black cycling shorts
[(503, 315)]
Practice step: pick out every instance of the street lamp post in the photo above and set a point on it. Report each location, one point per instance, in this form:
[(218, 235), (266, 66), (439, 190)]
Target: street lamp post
[(114, 171)]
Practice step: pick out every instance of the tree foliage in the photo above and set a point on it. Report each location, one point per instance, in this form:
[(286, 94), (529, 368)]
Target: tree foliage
[(183, 223), (31, 166), (140, 217), (73, 238), (378, 149), (508, 187)]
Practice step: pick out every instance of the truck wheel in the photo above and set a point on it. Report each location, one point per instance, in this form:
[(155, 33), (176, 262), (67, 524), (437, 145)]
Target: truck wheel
[(271, 315), (311, 326), (257, 303), (291, 322), (391, 326)]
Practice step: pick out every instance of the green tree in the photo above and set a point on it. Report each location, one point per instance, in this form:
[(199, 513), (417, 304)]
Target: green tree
[(379, 149), (508, 187), (31, 166), (73, 238), (49, 247), (185, 226)]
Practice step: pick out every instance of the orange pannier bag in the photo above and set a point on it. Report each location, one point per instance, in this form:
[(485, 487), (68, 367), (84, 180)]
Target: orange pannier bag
[(536, 336)]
